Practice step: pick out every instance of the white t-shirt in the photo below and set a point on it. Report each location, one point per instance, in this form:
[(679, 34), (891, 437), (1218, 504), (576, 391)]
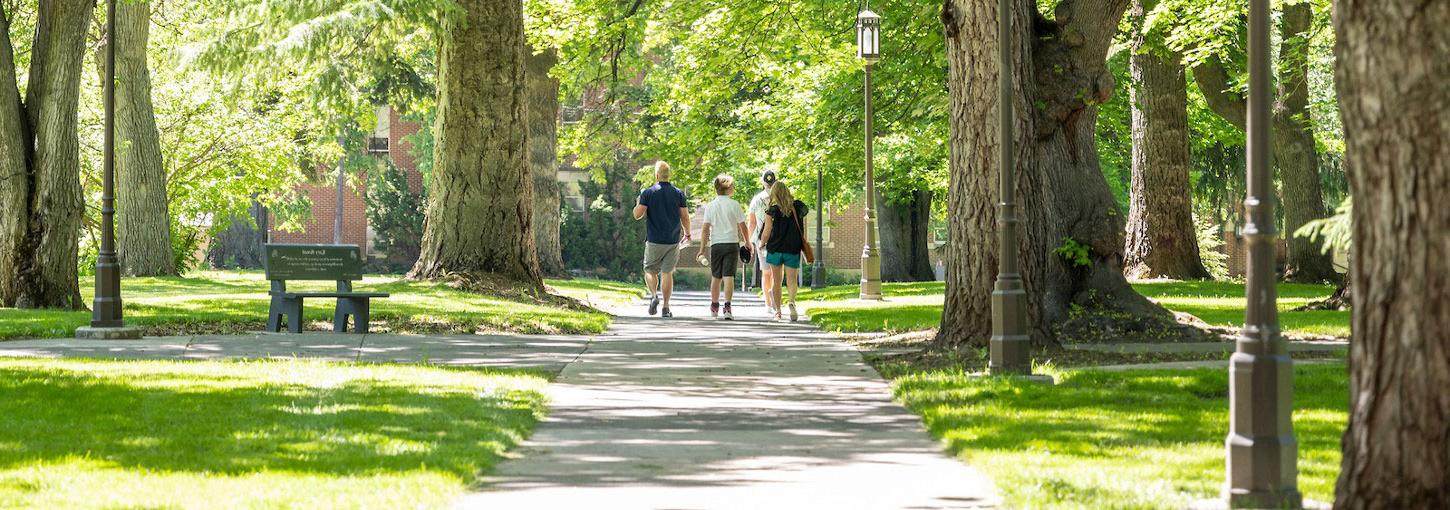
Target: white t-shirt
[(758, 207), (724, 216)]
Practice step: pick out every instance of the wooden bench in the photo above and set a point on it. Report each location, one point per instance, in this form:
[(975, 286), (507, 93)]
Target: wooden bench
[(316, 262)]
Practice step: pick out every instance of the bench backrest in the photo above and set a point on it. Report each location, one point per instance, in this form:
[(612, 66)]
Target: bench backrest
[(341, 262)]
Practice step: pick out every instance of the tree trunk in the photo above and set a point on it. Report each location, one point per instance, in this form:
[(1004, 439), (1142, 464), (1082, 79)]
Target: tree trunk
[(480, 210), (45, 203), (905, 248), (543, 105), (1162, 241), (1295, 150), (143, 225), (1059, 73), (240, 245), (15, 157), (1393, 61)]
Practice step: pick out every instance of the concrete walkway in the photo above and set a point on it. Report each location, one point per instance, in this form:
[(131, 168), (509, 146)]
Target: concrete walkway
[(548, 353), (693, 413)]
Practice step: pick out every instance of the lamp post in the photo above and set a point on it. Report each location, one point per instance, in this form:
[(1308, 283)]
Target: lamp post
[(106, 319), (868, 44), (1008, 347), (818, 270), (1261, 449)]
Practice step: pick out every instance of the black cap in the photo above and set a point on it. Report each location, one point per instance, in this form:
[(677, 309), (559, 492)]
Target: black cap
[(768, 177)]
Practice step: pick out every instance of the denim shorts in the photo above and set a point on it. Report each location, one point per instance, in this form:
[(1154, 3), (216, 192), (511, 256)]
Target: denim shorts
[(790, 260)]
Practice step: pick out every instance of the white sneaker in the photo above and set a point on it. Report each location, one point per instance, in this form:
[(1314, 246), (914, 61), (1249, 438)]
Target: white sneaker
[(793, 315)]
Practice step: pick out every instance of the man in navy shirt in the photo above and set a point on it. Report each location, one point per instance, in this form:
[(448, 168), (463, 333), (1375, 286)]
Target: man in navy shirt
[(667, 222)]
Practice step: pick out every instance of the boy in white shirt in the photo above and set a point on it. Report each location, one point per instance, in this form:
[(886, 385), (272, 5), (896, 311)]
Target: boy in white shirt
[(723, 232)]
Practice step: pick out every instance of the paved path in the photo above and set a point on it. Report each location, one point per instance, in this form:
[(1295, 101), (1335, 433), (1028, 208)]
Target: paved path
[(692, 413), (547, 353)]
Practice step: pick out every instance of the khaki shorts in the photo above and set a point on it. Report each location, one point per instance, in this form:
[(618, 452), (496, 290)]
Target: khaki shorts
[(661, 258)]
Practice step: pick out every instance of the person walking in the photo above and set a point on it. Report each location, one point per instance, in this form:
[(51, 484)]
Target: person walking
[(667, 225), (721, 235), (758, 206), (785, 241)]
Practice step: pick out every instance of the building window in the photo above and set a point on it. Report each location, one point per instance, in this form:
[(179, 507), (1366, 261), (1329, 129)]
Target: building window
[(377, 145), (939, 232)]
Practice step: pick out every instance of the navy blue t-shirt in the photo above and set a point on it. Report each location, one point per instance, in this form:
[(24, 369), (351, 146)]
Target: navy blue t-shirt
[(662, 216)]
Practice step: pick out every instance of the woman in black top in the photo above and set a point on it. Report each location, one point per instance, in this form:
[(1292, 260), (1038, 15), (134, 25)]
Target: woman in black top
[(785, 240)]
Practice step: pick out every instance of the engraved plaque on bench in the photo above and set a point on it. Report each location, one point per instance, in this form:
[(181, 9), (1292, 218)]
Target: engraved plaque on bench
[(314, 262)]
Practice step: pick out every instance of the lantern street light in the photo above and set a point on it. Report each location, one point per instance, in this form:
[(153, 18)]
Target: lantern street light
[(1261, 446), (1008, 346), (868, 48), (106, 320)]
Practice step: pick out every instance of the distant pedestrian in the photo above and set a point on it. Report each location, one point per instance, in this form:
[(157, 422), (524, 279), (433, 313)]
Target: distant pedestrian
[(785, 240), (667, 224), (758, 206), (722, 234)]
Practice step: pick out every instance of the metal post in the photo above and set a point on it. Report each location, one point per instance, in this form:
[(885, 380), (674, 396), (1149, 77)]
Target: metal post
[(818, 271), (1261, 446), (1010, 341), (870, 257), (106, 318)]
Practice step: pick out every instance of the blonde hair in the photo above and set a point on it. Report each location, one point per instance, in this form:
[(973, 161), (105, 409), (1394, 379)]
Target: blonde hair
[(662, 171), (724, 184), (780, 197)]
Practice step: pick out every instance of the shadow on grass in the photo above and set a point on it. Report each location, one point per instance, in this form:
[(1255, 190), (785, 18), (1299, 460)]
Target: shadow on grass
[(1160, 433), (219, 424)]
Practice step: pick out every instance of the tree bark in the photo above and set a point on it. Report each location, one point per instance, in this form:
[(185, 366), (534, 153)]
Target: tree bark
[(543, 108), (15, 157), (1393, 61), (1162, 240), (480, 210), (905, 248), (240, 245), (1060, 73), (1294, 148), (143, 224), (43, 198)]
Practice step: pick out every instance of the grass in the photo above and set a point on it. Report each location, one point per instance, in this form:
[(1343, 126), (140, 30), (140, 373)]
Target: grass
[(268, 434), (1140, 439), (1222, 304), (236, 301), (917, 306)]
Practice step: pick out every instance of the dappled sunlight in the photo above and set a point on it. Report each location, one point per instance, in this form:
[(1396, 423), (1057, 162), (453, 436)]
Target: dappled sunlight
[(274, 433), (1159, 434)]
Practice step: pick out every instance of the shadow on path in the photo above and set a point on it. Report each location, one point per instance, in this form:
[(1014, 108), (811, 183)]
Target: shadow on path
[(692, 412)]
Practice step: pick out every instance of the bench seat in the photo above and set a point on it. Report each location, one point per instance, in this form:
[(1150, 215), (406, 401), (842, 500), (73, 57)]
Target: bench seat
[(327, 294)]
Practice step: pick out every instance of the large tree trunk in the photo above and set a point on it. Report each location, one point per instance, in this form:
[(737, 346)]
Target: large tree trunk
[(143, 225), (480, 210), (1294, 148), (543, 105), (905, 248), (1059, 73), (15, 159), (1393, 61), (1162, 241), (47, 214)]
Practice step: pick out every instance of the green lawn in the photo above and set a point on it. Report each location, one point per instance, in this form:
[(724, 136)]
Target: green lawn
[(235, 301), (1142, 439), (269, 434), (1222, 304), (917, 306)]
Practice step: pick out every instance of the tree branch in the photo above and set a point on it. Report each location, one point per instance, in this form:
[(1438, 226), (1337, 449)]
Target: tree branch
[(1213, 81)]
